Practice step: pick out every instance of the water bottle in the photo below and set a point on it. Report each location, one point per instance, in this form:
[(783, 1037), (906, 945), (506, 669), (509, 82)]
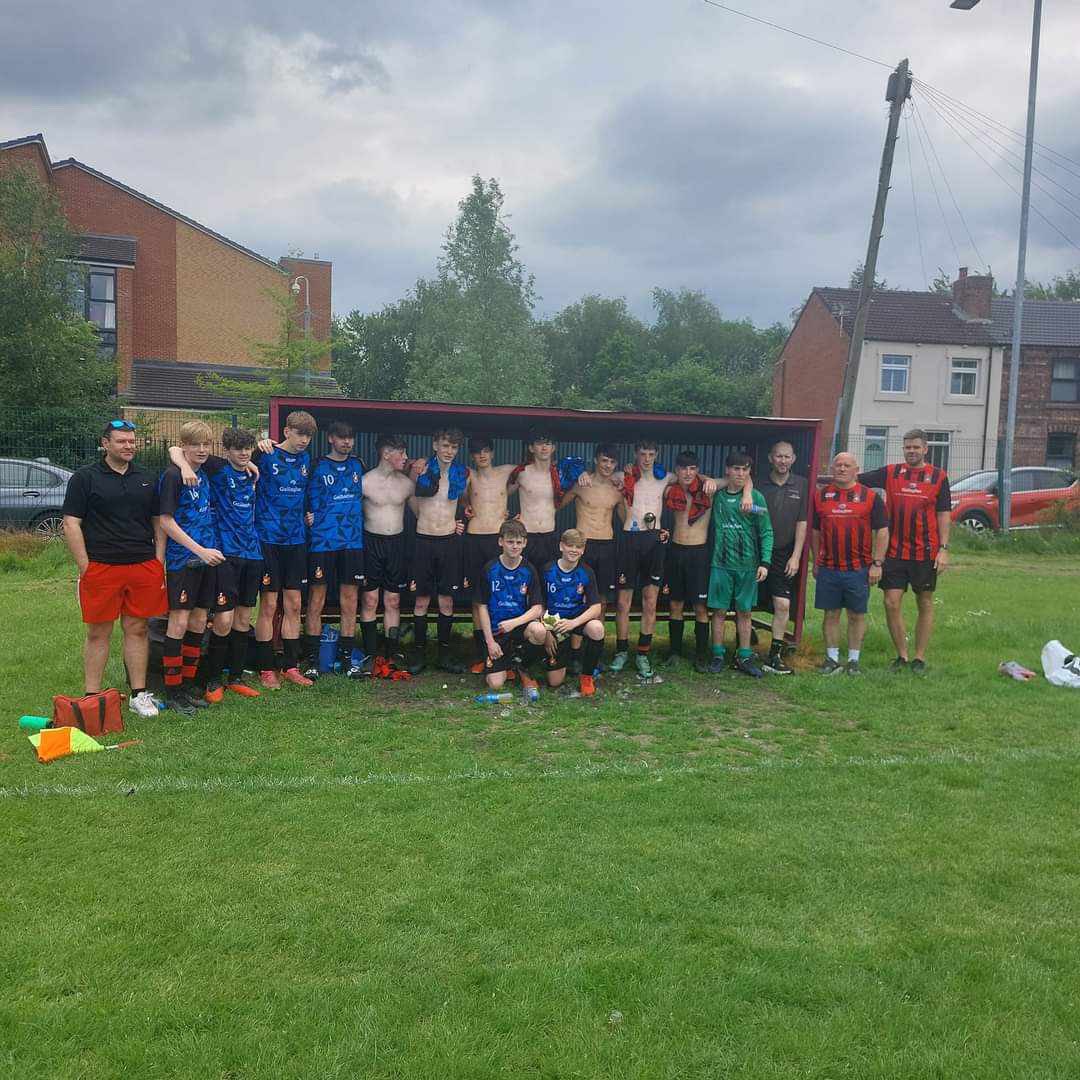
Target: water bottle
[(634, 525), (493, 699), (755, 509), (33, 723), (532, 695)]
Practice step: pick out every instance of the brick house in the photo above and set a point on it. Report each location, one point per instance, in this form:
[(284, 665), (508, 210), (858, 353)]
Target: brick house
[(171, 298), (940, 363)]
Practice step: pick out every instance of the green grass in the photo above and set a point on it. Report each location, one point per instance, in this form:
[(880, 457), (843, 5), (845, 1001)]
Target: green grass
[(806, 878)]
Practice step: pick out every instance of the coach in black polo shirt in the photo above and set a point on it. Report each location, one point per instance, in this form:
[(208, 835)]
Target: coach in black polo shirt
[(110, 517), (786, 494)]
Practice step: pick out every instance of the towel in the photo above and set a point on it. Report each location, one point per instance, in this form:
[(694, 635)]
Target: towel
[(428, 482), (632, 475), (675, 499)]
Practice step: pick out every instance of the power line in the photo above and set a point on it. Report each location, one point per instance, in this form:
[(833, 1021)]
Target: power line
[(920, 120), (937, 196), (960, 135), (796, 33), (979, 134), (1040, 147), (914, 201)]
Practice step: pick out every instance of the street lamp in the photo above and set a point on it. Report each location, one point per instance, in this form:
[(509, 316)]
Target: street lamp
[(1005, 495), (307, 320)]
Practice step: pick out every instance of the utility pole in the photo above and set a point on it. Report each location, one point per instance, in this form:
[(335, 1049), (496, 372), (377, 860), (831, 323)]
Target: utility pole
[(896, 93), (1005, 495)]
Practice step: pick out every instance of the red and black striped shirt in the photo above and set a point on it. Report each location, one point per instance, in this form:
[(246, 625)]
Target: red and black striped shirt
[(847, 519), (914, 497)]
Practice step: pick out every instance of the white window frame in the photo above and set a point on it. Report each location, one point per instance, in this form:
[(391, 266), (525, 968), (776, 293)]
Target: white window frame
[(887, 366), (940, 440), (1074, 381), (962, 367)]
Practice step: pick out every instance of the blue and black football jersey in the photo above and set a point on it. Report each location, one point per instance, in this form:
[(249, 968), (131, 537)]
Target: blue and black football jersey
[(280, 495), (189, 507), (568, 593), (507, 593), (232, 499), (335, 497)]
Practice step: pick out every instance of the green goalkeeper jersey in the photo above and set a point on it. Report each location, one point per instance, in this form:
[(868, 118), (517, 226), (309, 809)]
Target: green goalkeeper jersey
[(742, 541)]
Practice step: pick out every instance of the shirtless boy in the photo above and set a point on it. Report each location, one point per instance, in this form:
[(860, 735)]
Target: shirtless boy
[(596, 496), (537, 485), (387, 489), (436, 563), (686, 571), (486, 495)]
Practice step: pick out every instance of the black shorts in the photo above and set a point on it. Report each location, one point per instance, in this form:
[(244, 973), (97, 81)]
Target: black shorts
[(686, 573), (542, 548), (777, 584), (336, 568), (436, 566), (900, 573), (641, 559), (384, 562), (196, 586), (513, 646), (479, 550), (284, 567), (600, 555), (239, 580)]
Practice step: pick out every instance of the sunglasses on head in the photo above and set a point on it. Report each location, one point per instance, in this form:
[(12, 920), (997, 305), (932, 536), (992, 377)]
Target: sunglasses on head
[(121, 425)]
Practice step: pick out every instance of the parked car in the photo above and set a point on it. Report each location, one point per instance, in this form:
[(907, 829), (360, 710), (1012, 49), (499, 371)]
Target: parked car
[(1035, 493), (31, 496)]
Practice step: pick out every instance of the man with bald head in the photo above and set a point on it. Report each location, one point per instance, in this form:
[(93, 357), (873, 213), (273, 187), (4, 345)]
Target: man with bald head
[(849, 539), (786, 494)]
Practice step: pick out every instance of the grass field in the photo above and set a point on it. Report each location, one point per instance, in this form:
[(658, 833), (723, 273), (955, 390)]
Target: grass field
[(808, 878)]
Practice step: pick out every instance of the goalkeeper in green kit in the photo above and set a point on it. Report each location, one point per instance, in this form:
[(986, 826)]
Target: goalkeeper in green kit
[(742, 549)]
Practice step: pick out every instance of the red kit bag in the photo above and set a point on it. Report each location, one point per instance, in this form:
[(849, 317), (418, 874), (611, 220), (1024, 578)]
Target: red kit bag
[(95, 714)]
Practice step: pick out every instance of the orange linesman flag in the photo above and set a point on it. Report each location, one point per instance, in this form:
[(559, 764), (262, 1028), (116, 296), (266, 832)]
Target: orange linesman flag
[(53, 743)]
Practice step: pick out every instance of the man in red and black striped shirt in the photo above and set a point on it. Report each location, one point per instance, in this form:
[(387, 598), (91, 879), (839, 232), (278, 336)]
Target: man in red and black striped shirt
[(850, 534), (919, 503)]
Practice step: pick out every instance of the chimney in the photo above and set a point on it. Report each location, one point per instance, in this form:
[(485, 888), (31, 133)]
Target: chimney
[(972, 296)]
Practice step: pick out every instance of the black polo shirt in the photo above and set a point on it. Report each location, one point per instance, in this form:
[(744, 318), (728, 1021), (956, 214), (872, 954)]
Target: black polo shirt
[(787, 507), (116, 511)]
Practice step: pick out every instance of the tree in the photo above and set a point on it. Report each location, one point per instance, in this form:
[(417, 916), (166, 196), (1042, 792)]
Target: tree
[(286, 362), (48, 351), (475, 340), (856, 279), (1064, 287), (371, 352)]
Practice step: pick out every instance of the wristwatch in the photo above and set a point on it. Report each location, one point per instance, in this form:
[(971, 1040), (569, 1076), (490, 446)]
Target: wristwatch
[(878, 562)]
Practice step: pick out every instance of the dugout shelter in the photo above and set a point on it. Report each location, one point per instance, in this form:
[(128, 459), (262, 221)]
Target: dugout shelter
[(576, 431)]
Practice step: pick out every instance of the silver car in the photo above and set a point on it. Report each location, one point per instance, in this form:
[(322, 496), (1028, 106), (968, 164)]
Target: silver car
[(32, 496)]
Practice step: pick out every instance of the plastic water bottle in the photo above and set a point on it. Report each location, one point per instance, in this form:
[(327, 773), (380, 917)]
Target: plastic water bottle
[(755, 509), (532, 695), (493, 699), (634, 525)]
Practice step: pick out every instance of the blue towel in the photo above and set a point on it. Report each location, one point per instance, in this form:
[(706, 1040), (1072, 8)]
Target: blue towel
[(570, 468), (428, 482)]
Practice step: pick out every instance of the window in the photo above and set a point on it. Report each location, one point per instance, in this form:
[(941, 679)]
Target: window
[(101, 308), (874, 444), (43, 478), (1065, 381), (894, 374), (1061, 450), (13, 474), (963, 377), (937, 449)]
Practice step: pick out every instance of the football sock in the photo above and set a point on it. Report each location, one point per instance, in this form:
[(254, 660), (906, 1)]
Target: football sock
[(345, 650), (190, 651), (590, 655), (833, 654), (292, 652), (369, 638), (675, 635), (172, 662), (622, 644), (644, 643), (744, 654), (264, 656), (393, 640), (718, 650), (446, 629), (701, 639), (215, 657), (238, 653), (311, 647), (420, 632), (853, 654), (481, 647)]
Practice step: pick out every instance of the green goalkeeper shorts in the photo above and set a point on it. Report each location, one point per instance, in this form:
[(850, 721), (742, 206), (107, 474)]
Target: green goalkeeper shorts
[(732, 590)]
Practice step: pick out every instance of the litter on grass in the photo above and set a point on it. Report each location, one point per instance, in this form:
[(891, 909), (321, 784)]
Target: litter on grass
[(1015, 670), (1061, 667)]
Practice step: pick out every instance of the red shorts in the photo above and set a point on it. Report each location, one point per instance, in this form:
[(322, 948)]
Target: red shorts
[(107, 591)]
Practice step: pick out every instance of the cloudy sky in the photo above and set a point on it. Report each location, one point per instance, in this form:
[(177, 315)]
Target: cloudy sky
[(639, 143)]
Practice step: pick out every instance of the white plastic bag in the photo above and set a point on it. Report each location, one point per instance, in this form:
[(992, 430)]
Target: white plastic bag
[(1061, 667)]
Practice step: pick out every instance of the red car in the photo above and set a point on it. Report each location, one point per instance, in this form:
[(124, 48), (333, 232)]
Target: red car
[(1036, 491)]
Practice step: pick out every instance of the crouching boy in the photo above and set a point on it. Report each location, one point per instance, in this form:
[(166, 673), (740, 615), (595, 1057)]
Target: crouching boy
[(573, 602), (510, 606)]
